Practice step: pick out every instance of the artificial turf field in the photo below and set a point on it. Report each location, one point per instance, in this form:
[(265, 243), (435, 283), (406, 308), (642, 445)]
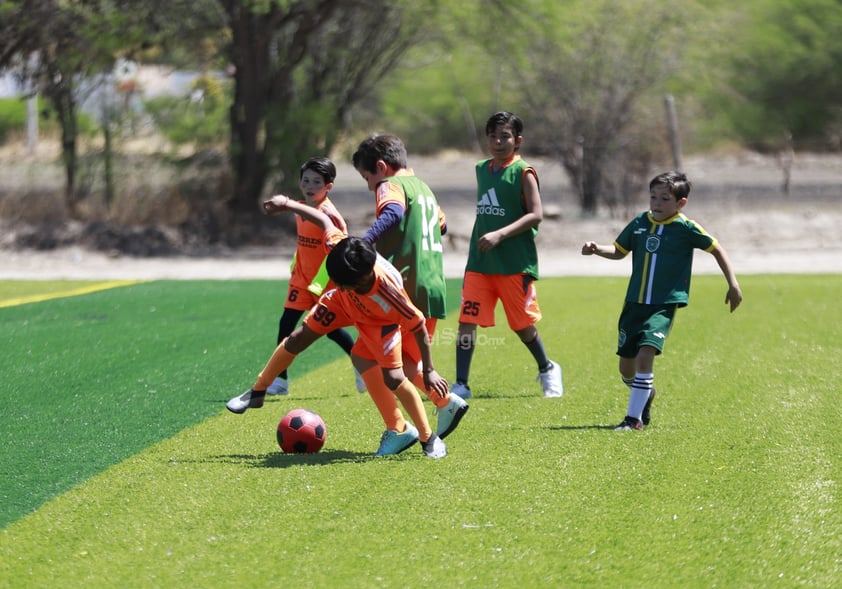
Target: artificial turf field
[(120, 467)]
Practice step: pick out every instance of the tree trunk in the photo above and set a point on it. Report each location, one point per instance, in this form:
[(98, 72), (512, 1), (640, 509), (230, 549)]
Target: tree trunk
[(61, 95), (250, 56)]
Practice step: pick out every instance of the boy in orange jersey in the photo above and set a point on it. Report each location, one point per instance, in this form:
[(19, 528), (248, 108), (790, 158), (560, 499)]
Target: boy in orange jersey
[(371, 297), (315, 179)]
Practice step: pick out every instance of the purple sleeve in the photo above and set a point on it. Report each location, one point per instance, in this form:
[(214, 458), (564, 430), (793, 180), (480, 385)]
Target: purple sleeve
[(389, 217)]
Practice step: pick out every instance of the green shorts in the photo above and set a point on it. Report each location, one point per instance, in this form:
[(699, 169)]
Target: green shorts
[(643, 325)]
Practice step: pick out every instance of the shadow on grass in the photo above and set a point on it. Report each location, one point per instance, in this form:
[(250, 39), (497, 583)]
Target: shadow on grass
[(581, 427), (281, 460)]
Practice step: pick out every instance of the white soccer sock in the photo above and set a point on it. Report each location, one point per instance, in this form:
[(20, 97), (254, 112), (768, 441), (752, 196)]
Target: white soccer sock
[(640, 390)]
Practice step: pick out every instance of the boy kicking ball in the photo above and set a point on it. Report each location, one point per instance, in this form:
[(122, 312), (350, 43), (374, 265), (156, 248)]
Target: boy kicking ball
[(370, 296)]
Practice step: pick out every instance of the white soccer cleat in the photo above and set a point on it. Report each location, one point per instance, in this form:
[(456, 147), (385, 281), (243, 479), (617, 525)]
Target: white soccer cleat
[(248, 400), (450, 415), (551, 381), (434, 447)]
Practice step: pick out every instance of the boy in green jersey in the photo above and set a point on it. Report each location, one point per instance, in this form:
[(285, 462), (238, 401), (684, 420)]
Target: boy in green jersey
[(502, 258), (407, 232), (661, 241)]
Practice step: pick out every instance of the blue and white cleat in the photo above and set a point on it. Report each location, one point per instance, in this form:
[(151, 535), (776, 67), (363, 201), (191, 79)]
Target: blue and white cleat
[(394, 443)]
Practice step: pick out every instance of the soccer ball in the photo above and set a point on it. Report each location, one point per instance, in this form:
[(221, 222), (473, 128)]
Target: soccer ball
[(301, 432)]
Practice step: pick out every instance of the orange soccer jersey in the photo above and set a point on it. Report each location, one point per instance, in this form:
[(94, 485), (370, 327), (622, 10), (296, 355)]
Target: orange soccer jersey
[(379, 315), (309, 255)]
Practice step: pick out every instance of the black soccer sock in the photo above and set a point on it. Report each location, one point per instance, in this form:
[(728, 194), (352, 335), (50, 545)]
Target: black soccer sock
[(536, 348)]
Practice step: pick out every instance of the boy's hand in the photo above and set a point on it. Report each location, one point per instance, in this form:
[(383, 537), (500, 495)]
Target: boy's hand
[(589, 248), (276, 204), (734, 296), (436, 383)]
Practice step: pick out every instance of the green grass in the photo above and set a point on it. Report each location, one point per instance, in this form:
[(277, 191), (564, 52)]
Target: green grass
[(735, 483)]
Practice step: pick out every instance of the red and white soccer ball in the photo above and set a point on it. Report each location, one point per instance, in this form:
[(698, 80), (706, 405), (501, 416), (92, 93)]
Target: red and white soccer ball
[(301, 432)]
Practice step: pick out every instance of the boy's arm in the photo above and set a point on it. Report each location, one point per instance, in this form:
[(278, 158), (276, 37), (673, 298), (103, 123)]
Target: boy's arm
[(604, 251), (434, 381), (531, 218), (279, 203), (734, 296)]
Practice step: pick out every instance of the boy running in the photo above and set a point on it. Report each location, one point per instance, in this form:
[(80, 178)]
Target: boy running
[(661, 241)]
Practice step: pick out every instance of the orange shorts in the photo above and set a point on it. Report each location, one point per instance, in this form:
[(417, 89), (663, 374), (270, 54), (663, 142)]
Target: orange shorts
[(480, 293), (390, 348), (299, 298)]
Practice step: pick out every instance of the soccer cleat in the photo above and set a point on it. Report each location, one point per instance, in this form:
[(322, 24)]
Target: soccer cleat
[(551, 381), (361, 388), (394, 443), (251, 399), (646, 417), (629, 423), (461, 390), (279, 386), (450, 415), (434, 447)]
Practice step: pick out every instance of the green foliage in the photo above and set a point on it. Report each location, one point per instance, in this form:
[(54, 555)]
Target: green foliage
[(200, 118), (783, 74), (733, 484), (440, 99), (12, 117)]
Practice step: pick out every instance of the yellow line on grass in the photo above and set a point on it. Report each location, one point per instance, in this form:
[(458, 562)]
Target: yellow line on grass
[(68, 293)]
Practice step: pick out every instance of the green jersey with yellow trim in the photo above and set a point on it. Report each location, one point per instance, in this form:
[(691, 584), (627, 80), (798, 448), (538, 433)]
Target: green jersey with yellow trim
[(662, 257)]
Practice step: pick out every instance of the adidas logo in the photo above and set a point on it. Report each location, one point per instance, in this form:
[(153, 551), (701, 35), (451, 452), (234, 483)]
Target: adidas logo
[(489, 205)]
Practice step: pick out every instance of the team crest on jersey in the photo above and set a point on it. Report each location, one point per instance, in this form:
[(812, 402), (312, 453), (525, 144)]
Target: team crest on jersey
[(653, 242)]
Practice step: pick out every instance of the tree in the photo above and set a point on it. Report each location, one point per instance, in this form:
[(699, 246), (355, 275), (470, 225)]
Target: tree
[(59, 48), (299, 68), (586, 85), (782, 75)]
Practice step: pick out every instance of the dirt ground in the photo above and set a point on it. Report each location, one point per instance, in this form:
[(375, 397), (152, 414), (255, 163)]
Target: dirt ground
[(738, 199)]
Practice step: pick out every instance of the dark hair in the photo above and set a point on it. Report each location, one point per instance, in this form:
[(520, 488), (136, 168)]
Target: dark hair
[(350, 260), (679, 185), (388, 148), (504, 118), (321, 166)]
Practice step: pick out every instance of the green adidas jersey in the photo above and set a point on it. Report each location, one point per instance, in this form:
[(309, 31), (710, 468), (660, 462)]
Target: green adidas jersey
[(662, 258), (414, 246), (499, 203)]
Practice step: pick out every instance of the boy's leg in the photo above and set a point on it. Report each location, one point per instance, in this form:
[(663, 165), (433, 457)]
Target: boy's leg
[(384, 399), (465, 344), (520, 303), (642, 384), (286, 325), (344, 340), (628, 372), (411, 401), (254, 397)]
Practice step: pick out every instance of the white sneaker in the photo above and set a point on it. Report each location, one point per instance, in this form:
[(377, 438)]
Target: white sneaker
[(248, 400), (551, 381), (450, 415), (361, 388), (460, 390), (434, 447), (279, 386)]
